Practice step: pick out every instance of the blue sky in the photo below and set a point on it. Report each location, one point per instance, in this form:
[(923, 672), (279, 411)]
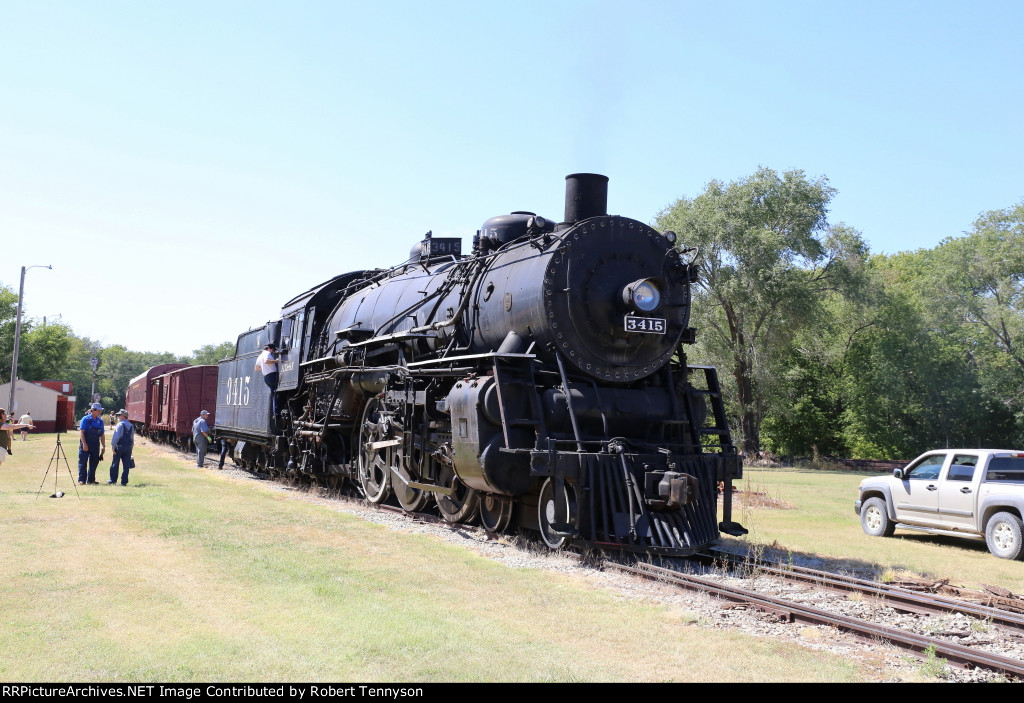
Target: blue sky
[(186, 167)]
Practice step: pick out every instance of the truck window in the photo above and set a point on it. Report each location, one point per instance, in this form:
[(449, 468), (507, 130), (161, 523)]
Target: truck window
[(962, 468), (1009, 469), (928, 469)]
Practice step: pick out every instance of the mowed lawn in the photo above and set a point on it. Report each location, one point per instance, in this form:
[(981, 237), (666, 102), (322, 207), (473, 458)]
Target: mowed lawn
[(822, 522), (192, 575)]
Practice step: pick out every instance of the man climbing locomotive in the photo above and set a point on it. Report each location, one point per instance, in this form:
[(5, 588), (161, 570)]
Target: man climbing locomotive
[(540, 381)]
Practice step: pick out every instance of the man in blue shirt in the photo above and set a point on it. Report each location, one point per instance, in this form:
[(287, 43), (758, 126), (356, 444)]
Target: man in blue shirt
[(122, 443), (201, 437), (92, 444)]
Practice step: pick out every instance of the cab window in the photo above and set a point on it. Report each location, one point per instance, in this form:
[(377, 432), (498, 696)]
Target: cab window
[(928, 468), (286, 333)]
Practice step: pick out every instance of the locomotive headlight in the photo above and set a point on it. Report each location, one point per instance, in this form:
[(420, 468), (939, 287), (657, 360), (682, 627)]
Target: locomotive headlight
[(643, 295)]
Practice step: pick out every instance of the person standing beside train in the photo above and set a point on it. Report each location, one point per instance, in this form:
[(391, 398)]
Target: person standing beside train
[(122, 443), (6, 434), (201, 437), (93, 442), (26, 421), (267, 363)]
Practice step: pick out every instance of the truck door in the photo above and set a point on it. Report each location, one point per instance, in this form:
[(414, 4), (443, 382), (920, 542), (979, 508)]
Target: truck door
[(958, 493), (916, 498)]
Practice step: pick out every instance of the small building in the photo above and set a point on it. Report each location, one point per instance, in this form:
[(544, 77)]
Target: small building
[(51, 409)]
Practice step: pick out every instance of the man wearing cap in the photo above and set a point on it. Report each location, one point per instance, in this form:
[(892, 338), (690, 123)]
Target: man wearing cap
[(201, 437), (92, 444), (122, 443), (267, 363)]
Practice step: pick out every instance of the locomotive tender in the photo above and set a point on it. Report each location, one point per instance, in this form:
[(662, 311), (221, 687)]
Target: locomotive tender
[(540, 380)]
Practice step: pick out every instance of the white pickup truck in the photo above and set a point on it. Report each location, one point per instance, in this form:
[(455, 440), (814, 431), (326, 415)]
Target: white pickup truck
[(972, 493)]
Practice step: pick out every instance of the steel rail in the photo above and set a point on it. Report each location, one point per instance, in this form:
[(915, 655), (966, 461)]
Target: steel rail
[(956, 654), (893, 596)]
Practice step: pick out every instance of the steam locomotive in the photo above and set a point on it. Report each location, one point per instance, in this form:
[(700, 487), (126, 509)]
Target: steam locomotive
[(540, 381)]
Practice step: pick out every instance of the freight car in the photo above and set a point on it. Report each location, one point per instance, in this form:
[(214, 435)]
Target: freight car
[(539, 381), (180, 395), (163, 402), (139, 399)]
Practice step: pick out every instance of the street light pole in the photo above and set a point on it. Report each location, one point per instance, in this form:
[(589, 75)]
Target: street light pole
[(58, 316), (17, 335)]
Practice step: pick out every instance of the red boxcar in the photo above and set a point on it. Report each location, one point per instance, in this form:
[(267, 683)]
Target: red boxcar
[(138, 399), (178, 398)]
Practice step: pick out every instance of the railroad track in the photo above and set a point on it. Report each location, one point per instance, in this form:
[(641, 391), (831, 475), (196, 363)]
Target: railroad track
[(893, 596), (789, 611)]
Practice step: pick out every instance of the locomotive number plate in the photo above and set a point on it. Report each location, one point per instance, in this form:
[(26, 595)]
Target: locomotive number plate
[(650, 325)]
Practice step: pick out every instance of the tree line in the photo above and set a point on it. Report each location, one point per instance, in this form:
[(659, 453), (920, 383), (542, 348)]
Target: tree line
[(827, 348), (54, 351)]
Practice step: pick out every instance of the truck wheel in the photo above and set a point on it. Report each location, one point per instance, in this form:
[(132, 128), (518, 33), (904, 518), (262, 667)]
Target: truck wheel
[(1004, 535), (874, 518)]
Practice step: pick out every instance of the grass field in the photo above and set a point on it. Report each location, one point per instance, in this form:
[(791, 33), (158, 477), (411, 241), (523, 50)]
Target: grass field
[(821, 522), (190, 575)]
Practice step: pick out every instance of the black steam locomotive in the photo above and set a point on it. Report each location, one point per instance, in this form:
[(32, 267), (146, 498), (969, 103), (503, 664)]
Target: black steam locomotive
[(540, 381)]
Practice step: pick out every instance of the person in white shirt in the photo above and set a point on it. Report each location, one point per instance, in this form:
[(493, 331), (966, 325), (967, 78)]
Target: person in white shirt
[(26, 420), (267, 363), (5, 434)]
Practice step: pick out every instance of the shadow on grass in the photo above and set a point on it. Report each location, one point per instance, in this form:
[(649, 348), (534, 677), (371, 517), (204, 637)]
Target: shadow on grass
[(861, 568)]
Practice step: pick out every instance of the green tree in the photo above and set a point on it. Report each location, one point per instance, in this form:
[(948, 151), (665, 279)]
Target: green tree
[(811, 395), (210, 353), (767, 257), (78, 370), (914, 380), (119, 366), (979, 281), (44, 352), (8, 317), (981, 278)]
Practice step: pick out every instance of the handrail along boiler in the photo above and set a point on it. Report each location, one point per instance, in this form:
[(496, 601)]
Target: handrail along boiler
[(540, 380)]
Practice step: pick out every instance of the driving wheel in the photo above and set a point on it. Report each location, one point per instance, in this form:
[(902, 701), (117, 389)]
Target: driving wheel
[(376, 452), (461, 505)]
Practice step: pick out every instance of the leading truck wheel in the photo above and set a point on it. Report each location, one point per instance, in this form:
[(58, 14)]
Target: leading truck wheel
[(874, 518), (495, 512), (1004, 535), (552, 532)]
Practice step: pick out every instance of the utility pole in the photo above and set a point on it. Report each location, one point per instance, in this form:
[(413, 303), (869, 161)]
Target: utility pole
[(94, 362), (17, 336)]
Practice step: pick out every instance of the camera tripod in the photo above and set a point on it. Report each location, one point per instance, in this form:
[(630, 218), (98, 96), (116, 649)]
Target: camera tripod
[(58, 454)]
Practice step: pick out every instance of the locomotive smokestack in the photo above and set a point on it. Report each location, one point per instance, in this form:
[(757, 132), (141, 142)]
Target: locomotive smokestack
[(586, 195)]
